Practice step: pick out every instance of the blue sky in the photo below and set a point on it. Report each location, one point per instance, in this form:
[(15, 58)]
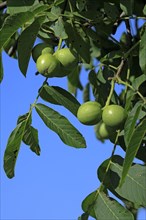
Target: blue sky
[(53, 185)]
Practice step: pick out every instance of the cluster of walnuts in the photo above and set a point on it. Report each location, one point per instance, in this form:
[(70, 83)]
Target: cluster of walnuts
[(107, 120), (61, 63), (54, 64)]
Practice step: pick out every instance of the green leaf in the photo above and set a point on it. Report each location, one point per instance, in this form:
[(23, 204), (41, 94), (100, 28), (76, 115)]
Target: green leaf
[(130, 123), (11, 25), (59, 30), (79, 41), (86, 93), (30, 138), (88, 204), (144, 10), (133, 147), (74, 81), (80, 4), (12, 149), (16, 6), (134, 188), (138, 81), (108, 208), (1, 68), (59, 124), (84, 216), (25, 46), (62, 97), (111, 10), (127, 6), (54, 13), (58, 2), (142, 51)]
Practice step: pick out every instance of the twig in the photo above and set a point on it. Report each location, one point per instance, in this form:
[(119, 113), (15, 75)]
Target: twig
[(3, 5), (121, 66), (119, 69)]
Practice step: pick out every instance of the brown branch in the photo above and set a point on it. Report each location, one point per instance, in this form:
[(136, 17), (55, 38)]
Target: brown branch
[(3, 5), (121, 66), (119, 69)]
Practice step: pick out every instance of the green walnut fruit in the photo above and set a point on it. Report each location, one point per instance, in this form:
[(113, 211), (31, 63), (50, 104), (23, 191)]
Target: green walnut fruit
[(67, 58), (48, 65), (89, 113), (41, 48), (114, 115), (105, 131)]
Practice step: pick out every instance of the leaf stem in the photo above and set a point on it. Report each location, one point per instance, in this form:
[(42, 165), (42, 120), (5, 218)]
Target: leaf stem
[(70, 6), (131, 49), (59, 44), (45, 81), (127, 78), (101, 187), (131, 87), (111, 92)]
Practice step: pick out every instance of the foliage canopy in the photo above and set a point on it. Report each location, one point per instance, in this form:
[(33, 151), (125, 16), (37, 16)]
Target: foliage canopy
[(88, 28)]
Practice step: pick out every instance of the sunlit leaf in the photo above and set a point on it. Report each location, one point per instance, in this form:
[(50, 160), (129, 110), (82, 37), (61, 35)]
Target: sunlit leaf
[(16, 6), (62, 97), (108, 208), (59, 29), (59, 124)]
